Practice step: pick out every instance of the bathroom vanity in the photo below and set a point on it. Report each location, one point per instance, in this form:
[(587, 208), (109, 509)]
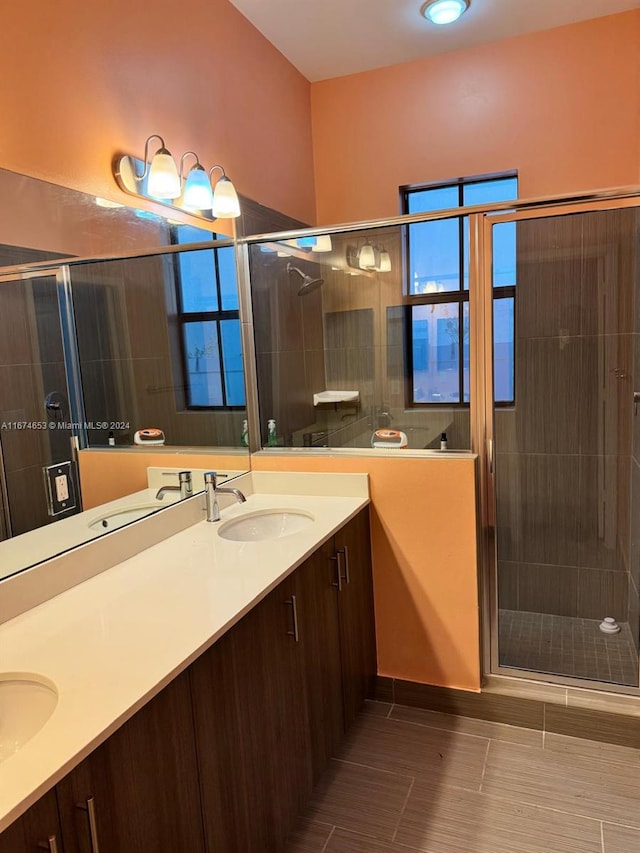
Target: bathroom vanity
[(222, 752)]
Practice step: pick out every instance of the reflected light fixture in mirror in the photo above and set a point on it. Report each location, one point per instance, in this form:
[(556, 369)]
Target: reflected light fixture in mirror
[(443, 12), (160, 180), (323, 243)]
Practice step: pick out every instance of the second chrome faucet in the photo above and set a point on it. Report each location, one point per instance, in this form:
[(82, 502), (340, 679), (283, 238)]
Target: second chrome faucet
[(185, 487), (212, 490)]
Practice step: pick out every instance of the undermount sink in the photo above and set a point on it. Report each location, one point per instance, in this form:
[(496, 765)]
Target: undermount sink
[(26, 703), (265, 524), (120, 517)]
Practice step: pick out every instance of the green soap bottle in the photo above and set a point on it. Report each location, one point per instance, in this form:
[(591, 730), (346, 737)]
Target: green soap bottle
[(272, 439)]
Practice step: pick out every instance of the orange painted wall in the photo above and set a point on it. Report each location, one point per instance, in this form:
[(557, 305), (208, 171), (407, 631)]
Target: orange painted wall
[(80, 81), (105, 476), (562, 106), (423, 527)]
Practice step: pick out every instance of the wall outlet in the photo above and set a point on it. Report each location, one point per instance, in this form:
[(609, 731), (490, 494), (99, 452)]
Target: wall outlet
[(61, 492)]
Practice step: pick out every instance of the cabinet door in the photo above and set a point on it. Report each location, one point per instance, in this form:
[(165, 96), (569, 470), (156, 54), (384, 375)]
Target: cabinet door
[(316, 588), (219, 742), (357, 625), (266, 762), (37, 829), (139, 790)]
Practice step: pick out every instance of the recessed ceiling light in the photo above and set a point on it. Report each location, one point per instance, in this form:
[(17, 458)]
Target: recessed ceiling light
[(444, 11)]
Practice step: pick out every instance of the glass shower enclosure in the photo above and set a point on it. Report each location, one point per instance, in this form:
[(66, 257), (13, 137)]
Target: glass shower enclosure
[(564, 487)]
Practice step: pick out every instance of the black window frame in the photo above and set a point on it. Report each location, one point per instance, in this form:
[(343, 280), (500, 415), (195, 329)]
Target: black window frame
[(184, 318), (458, 297)]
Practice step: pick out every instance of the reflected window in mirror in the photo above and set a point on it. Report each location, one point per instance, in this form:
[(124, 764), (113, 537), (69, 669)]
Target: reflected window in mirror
[(209, 320), (437, 318)]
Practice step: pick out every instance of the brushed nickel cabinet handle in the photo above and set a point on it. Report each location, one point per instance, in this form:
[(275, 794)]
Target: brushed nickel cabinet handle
[(294, 610), (345, 551), (90, 808), (337, 583), (51, 844)]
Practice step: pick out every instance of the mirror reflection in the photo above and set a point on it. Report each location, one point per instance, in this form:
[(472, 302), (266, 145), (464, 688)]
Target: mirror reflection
[(134, 361)]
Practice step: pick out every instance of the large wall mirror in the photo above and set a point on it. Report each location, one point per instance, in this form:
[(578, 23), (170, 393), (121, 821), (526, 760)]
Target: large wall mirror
[(99, 351)]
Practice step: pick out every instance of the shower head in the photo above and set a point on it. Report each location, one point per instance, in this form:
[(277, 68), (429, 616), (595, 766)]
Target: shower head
[(308, 283)]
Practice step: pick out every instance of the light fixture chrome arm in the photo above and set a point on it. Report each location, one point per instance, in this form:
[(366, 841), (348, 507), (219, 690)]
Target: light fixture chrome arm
[(147, 163), (213, 168), (183, 158)]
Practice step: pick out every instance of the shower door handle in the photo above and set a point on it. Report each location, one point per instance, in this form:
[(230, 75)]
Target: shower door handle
[(636, 403), (490, 455)]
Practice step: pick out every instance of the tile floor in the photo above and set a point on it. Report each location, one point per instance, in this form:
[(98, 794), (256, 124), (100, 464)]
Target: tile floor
[(566, 645), (412, 780)]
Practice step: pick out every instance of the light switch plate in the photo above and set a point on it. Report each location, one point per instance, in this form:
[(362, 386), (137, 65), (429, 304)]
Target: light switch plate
[(61, 492)]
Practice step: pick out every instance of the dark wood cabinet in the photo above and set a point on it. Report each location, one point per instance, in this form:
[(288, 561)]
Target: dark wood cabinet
[(223, 759), (357, 625), (139, 790), (37, 829), (252, 728), (316, 584)]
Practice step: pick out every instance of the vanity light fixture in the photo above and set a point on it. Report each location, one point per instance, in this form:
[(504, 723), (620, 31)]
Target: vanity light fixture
[(163, 180), (225, 198), (367, 257), (443, 12), (197, 194), (159, 179), (384, 264)]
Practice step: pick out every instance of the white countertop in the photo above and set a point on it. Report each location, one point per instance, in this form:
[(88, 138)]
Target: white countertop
[(112, 642), (27, 549)]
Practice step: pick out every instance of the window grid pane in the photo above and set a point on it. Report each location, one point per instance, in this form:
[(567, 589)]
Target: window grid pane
[(439, 263), (204, 377)]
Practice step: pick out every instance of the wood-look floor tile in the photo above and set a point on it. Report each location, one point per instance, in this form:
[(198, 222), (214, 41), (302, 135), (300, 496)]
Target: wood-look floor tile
[(620, 839), (454, 821), (360, 798), (343, 841), (592, 749), (377, 709), (309, 837), (446, 757), (577, 784), (467, 725)]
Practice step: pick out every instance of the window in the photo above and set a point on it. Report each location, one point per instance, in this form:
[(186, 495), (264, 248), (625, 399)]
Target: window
[(438, 314), (209, 320)]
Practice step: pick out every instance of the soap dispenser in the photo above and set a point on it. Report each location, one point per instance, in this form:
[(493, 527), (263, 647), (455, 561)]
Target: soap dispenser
[(271, 433)]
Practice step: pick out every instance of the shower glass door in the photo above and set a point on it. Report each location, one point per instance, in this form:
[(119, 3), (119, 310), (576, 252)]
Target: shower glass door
[(35, 411), (566, 447)]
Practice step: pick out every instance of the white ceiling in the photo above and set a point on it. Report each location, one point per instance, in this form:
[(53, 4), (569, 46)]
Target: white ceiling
[(330, 38)]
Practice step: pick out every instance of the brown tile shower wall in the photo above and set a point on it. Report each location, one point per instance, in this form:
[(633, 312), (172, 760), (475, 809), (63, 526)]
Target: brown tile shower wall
[(289, 344), (564, 450), (130, 354), (634, 539), (31, 366)]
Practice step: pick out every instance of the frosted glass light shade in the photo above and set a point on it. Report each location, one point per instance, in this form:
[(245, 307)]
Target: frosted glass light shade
[(163, 180), (443, 12), (385, 262), (225, 200), (367, 258), (197, 190), (323, 243)]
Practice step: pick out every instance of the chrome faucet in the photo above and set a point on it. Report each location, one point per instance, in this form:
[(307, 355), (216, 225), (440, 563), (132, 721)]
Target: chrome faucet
[(185, 487), (212, 490)]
